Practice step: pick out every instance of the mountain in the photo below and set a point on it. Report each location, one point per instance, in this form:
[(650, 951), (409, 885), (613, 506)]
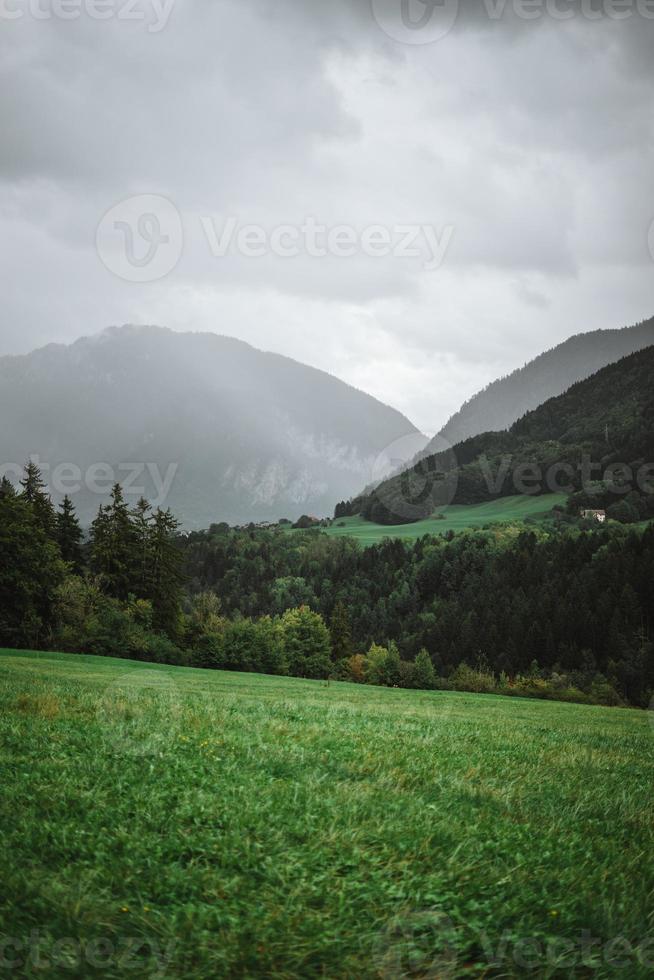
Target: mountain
[(607, 420), (243, 435), (504, 401)]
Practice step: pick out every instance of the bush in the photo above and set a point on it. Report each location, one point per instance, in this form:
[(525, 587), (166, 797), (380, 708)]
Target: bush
[(465, 678), (407, 674), (355, 669), (209, 651)]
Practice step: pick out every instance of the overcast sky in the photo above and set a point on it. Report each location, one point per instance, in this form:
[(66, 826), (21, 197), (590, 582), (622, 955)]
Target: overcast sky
[(525, 147)]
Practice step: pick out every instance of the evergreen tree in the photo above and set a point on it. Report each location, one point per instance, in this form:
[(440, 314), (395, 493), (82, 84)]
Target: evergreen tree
[(166, 575), (69, 535), (30, 572), (393, 668), (36, 495), (142, 527), (7, 488), (113, 546)]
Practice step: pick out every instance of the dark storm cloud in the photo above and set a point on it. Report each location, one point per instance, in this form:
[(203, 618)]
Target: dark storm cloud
[(530, 135)]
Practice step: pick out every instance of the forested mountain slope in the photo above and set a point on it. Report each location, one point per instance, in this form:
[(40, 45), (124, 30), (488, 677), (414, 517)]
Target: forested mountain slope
[(504, 401), (604, 420)]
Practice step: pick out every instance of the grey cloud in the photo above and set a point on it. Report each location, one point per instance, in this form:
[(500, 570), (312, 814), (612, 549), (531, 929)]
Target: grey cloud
[(535, 140)]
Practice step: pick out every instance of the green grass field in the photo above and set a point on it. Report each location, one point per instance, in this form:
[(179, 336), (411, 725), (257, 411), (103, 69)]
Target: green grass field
[(161, 821), (457, 517)]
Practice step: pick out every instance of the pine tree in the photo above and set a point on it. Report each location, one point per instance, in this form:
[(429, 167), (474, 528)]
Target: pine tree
[(166, 574), (113, 546), (36, 495), (142, 525), (6, 488), (30, 572), (69, 535)]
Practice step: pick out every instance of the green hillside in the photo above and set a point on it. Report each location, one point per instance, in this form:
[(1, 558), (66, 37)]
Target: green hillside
[(456, 517), (606, 419), (171, 822)]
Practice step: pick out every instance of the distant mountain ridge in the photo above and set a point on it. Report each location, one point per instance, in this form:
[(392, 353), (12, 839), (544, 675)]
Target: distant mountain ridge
[(250, 435), (504, 401)]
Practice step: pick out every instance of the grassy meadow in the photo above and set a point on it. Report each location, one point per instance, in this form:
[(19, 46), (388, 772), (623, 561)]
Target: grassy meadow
[(455, 517), (162, 821)]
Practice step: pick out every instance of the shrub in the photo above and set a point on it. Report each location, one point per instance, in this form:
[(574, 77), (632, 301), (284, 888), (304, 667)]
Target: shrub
[(375, 665), (465, 678), (424, 675), (355, 669)]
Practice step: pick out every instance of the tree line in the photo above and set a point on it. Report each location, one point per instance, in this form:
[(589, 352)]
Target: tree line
[(557, 612)]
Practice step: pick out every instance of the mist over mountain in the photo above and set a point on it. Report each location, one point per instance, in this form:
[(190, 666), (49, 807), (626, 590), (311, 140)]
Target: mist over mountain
[(238, 434), (506, 400)]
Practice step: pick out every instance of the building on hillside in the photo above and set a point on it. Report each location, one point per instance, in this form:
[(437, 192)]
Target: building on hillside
[(594, 515)]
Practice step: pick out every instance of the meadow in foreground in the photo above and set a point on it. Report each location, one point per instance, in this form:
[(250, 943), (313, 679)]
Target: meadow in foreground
[(162, 821)]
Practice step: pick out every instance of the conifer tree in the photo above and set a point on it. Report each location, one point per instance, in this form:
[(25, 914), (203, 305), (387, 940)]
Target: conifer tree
[(6, 488), (36, 495), (142, 524), (166, 575), (69, 535), (113, 546)]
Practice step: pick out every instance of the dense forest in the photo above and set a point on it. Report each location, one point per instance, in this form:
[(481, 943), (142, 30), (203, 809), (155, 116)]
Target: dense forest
[(561, 613), (596, 441)]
